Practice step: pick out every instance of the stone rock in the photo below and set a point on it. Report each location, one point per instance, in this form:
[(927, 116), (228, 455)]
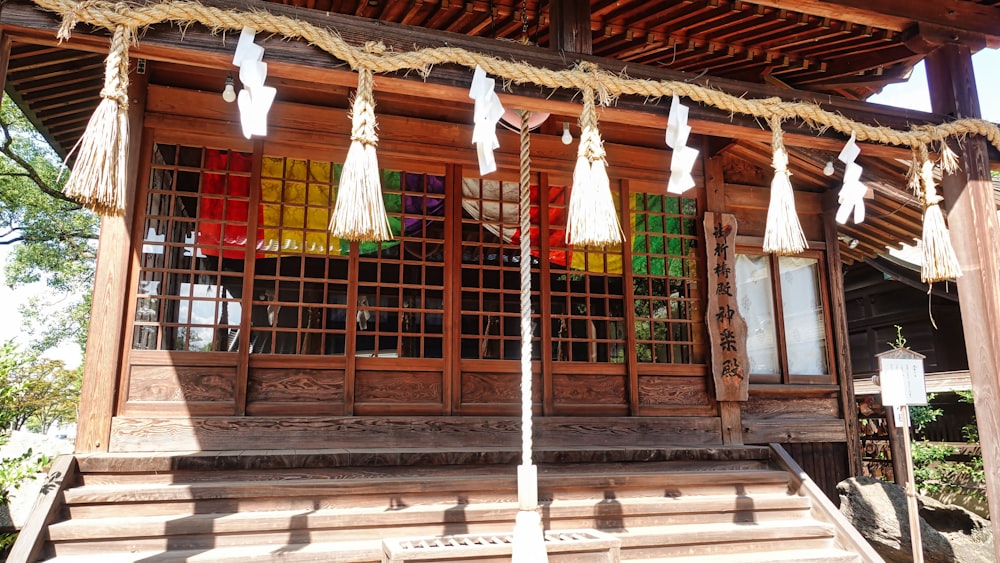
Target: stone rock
[(948, 533)]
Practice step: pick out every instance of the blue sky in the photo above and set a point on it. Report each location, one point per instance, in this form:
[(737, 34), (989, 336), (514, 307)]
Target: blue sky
[(911, 94)]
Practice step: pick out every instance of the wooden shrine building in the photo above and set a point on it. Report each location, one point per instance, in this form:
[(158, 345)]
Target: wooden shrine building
[(234, 338)]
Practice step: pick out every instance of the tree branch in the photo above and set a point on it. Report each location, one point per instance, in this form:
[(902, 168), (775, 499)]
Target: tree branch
[(29, 171), (11, 241)]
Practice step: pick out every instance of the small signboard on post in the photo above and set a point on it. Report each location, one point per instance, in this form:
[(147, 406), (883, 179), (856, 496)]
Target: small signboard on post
[(901, 377)]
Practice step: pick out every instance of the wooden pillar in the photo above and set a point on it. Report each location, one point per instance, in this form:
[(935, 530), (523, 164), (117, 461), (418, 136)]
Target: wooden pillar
[(972, 220), (730, 412), (841, 340), (570, 26), (4, 57), (102, 361), (900, 469)]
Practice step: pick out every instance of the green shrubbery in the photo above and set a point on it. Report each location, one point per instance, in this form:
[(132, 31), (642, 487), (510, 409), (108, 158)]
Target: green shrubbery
[(937, 467)]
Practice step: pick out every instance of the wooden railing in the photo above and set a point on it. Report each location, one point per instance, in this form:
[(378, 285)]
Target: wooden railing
[(31, 538), (823, 509)]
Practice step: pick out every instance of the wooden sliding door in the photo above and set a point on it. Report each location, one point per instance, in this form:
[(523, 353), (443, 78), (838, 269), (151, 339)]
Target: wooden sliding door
[(244, 304)]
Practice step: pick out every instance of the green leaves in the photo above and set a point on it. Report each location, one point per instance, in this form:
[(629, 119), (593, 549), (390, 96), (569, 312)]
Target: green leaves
[(54, 240), (35, 391)]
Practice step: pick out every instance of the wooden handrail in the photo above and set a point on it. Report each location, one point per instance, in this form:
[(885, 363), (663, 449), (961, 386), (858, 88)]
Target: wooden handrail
[(31, 539), (823, 509)]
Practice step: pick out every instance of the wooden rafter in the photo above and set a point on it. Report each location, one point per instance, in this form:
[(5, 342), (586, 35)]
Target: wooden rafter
[(899, 15)]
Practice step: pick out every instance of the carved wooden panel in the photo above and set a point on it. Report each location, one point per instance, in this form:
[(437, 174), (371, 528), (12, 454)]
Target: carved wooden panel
[(397, 387), (295, 385), (589, 389), (672, 391), (493, 388), (181, 383)]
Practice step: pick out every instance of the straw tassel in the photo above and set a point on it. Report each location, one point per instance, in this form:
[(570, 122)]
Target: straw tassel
[(948, 160), (783, 232), (939, 260), (359, 213), (913, 173), (99, 177), (591, 218)]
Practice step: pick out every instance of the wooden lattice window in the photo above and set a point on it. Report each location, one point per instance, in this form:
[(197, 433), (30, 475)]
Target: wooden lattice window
[(587, 293), (194, 239), (401, 282), (300, 271), (491, 259), (665, 266)]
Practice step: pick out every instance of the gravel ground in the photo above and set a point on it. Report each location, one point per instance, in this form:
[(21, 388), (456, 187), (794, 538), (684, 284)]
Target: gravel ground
[(23, 498)]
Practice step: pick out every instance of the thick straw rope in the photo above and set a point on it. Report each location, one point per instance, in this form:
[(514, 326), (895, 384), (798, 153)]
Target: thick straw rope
[(359, 213), (529, 542), (99, 178), (110, 15), (525, 224)]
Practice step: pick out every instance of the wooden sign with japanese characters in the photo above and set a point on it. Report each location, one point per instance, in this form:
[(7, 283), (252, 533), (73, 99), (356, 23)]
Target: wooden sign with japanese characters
[(727, 331)]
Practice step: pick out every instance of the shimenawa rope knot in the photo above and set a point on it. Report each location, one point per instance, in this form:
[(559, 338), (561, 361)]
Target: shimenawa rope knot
[(99, 177), (783, 232)]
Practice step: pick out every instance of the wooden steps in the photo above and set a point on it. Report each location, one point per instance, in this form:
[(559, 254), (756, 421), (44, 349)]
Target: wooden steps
[(338, 506), (796, 556)]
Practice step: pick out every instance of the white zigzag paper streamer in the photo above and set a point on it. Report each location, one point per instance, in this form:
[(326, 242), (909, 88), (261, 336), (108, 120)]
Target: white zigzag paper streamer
[(683, 158), (487, 113), (255, 99), (852, 194)]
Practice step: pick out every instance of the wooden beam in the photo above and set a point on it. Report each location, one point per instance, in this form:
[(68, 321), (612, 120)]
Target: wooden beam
[(975, 234), (105, 338), (899, 15), (4, 57), (569, 29), (940, 382), (926, 38)]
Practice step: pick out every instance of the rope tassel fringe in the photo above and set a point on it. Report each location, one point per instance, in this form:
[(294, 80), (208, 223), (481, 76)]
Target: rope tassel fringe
[(591, 218), (783, 233), (939, 261), (359, 214), (99, 177)]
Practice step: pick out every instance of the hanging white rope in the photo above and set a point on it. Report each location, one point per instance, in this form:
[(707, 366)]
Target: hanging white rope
[(529, 542)]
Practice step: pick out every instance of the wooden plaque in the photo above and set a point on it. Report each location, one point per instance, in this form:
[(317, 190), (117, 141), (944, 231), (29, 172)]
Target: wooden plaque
[(727, 331)]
